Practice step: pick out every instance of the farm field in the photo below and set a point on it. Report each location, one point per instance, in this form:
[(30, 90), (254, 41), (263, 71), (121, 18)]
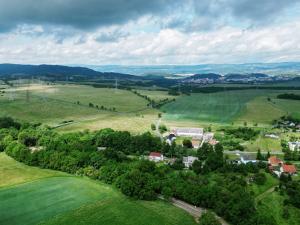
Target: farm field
[(231, 106), (75, 200), (53, 104)]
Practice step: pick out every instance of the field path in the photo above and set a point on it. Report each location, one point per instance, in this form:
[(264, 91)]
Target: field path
[(194, 211), (262, 195)]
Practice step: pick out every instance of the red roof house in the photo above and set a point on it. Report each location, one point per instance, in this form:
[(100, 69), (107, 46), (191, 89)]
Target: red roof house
[(290, 169), (156, 156), (274, 161)]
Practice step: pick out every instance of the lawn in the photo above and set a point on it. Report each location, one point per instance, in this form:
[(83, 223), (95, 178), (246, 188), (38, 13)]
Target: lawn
[(74, 200), (259, 190), (264, 144)]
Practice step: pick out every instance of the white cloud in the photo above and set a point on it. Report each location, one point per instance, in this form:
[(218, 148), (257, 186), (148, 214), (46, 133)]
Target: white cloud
[(166, 46)]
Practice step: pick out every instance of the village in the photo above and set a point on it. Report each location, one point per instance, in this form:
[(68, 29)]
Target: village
[(197, 137)]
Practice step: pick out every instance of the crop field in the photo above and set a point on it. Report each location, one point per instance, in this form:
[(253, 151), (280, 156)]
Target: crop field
[(231, 106), (53, 104), (74, 200)]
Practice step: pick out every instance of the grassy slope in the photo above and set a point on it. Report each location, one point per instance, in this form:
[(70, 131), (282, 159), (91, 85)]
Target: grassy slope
[(13, 172), (260, 189), (73, 200), (238, 106), (272, 204), (52, 104), (220, 107)]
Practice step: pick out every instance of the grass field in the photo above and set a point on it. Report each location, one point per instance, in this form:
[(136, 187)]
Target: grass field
[(250, 106), (62, 199), (53, 104), (13, 172)]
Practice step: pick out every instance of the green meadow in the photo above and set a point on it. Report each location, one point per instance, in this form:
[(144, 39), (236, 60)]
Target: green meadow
[(250, 106), (49, 197)]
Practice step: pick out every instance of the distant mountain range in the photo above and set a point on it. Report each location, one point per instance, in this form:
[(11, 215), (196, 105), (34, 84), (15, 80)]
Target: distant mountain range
[(83, 74), (18, 70), (286, 68)]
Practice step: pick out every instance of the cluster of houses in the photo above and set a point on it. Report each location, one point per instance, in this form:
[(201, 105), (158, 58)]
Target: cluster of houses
[(277, 167), (159, 157), (289, 124), (197, 134)]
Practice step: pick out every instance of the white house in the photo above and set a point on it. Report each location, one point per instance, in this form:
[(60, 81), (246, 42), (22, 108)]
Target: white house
[(208, 136), (156, 156), (188, 161), (188, 132), (294, 146), (244, 159), (171, 137)]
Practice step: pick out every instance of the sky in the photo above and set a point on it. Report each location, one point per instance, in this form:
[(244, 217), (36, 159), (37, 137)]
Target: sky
[(149, 32)]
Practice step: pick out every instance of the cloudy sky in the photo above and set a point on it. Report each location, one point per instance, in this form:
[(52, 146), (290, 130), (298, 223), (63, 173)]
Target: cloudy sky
[(149, 32)]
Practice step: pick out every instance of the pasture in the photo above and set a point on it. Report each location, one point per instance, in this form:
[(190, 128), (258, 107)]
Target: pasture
[(74, 200)]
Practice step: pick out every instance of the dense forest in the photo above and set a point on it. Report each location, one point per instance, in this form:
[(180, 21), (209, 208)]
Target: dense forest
[(119, 158)]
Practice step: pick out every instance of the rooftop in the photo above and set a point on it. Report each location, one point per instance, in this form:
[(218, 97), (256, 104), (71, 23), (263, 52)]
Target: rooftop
[(289, 168)]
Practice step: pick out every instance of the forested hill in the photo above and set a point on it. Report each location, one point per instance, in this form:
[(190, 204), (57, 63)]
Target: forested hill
[(57, 71)]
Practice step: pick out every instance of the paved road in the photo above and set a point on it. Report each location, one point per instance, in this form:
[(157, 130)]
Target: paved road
[(193, 210)]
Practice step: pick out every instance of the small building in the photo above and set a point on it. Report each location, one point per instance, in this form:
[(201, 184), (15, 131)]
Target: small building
[(196, 133), (247, 158), (170, 138), (196, 143), (288, 169), (156, 157), (274, 161), (213, 142), (294, 146), (188, 161), (208, 136), (273, 136)]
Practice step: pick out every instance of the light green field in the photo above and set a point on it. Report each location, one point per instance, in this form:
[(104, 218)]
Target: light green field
[(264, 144), (53, 104), (249, 106), (13, 172), (74, 200), (222, 107)]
